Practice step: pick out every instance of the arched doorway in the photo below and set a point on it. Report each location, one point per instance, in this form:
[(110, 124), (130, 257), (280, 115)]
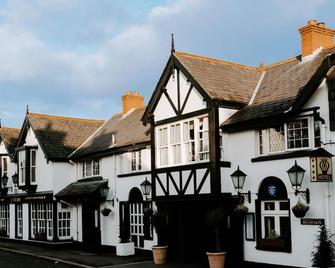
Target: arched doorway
[(138, 220), (273, 220)]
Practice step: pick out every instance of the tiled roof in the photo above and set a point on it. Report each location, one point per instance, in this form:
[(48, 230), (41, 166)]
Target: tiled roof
[(10, 138), (279, 89), (128, 130), (220, 79), (59, 136)]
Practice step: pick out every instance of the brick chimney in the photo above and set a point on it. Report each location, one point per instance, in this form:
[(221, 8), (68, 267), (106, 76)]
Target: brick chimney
[(132, 100), (315, 35)]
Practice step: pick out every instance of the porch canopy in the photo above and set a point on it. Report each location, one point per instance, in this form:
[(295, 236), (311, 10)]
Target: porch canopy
[(89, 188)]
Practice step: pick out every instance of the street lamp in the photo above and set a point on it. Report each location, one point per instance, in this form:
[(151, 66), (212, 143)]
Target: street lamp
[(146, 188), (238, 178), (296, 175), (15, 179)]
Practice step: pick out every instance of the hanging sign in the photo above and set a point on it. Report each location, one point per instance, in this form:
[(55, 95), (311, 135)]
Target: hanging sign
[(321, 169), (308, 221)]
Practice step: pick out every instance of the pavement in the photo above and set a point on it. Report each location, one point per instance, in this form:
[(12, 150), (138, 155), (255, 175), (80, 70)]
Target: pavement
[(103, 258)]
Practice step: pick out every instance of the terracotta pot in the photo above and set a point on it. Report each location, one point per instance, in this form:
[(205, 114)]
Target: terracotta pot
[(159, 253), (216, 260)]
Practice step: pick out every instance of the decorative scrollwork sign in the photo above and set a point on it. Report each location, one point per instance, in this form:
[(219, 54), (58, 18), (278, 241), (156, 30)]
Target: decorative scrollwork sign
[(321, 169)]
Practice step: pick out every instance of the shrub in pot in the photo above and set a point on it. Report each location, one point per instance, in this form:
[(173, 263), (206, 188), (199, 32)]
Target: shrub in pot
[(324, 252), (215, 219), (41, 236), (159, 221), (300, 209), (3, 232), (106, 211), (240, 210)]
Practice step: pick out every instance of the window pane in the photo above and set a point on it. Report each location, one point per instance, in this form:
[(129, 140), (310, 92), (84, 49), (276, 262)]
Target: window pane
[(276, 139), (297, 134), (269, 227)]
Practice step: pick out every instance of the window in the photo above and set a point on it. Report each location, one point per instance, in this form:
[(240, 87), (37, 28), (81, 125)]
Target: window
[(203, 139), (273, 216), (249, 223), (90, 168), (4, 220), (41, 221), (317, 133), (221, 145), (189, 141), (163, 146), (22, 167), (136, 161), (288, 136), (64, 224), (33, 166), (19, 220), (297, 134), (175, 143), (4, 166)]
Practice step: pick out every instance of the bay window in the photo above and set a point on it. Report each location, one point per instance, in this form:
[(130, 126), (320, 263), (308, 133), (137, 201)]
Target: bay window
[(33, 166), (292, 135), (183, 142), (90, 168), (4, 166), (27, 167), (41, 217), (22, 167)]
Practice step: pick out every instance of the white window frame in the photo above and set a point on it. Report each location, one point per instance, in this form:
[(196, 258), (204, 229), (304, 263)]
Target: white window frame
[(33, 167), (19, 220), (22, 167), (90, 168), (39, 217), (203, 154), (136, 161), (64, 224), (4, 218), (163, 146), (4, 166), (175, 143), (266, 138)]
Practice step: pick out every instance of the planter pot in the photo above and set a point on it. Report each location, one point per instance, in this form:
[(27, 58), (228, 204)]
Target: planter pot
[(240, 211), (300, 211), (106, 211), (159, 253), (216, 260), (125, 249)]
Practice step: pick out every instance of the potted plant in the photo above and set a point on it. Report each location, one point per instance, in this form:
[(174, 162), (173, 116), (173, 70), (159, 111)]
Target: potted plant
[(106, 211), (3, 232), (324, 252), (300, 209), (215, 220), (240, 210), (159, 221), (41, 236)]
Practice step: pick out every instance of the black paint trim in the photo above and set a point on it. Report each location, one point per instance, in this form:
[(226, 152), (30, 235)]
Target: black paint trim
[(171, 102), (186, 98), (182, 117), (133, 174), (183, 167), (288, 155)]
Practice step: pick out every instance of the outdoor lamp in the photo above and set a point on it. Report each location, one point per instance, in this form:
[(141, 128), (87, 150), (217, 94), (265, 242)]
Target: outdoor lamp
[(296, 175), (104, 192), (238, 178), (4, 180), (146, 188), (15, 178)]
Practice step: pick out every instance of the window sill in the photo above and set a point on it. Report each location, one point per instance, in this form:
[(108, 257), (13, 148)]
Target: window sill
[(286, 155), (279, 245), (134, 174)]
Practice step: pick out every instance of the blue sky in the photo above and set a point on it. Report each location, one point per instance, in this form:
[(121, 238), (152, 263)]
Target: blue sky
[(78, 57)]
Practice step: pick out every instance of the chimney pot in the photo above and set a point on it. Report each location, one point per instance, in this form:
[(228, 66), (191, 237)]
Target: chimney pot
[(132, 100), (314, 36)]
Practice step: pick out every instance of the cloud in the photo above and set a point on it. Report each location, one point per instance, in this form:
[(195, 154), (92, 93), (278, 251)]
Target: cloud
[(76, 57)]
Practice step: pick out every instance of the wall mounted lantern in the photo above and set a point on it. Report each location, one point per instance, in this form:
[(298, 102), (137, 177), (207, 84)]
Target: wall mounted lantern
[(146, 188), (238, 178), (4, 180), (15, 179), (296, 175), (104, 192)]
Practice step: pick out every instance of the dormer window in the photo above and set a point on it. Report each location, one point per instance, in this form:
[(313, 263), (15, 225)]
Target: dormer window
[(90, 168), (27, 167), (113, 139)]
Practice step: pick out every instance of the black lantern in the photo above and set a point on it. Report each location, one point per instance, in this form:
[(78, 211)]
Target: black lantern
[(146, 188), (296, 174), (4, 180), (238, 178), (15, 178), (104, 192)]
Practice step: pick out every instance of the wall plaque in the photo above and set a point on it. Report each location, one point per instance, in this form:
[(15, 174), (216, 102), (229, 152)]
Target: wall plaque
[(321, 169), (309, 221)]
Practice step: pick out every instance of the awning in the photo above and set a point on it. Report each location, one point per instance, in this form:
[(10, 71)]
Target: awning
[(86, 188)]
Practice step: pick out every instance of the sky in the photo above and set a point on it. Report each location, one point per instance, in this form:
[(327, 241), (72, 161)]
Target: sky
[(78, 57)]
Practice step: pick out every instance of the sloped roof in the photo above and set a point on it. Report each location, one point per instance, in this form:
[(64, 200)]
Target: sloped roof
[(10, 138), (59, 136), (128, 130), (222, 80), (280, 88)]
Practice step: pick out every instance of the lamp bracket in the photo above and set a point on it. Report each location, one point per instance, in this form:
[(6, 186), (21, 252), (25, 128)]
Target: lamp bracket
[(304, 194), (246, 195)]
